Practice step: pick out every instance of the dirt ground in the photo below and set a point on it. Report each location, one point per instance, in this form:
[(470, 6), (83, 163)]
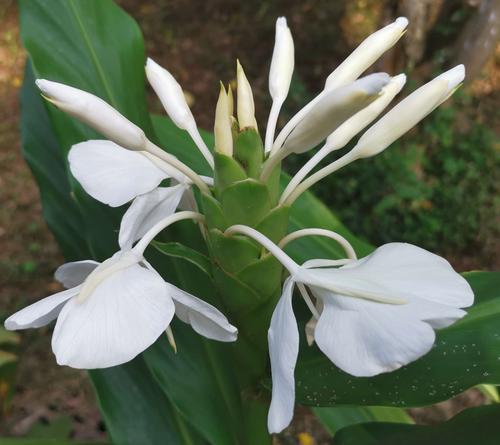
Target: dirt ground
[(28, 253)]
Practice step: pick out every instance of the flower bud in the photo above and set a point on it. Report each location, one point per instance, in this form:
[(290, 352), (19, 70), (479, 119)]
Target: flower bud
[(245, 107), (342, 135), (94, 112), (408, 113), (282, 62), (222, 126), (366, 54), (333, 109), (170, 94)]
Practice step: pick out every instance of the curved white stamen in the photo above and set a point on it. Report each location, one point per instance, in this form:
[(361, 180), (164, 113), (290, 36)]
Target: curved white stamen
[(307, 298), (318, 176), (346, 245), (140, 247), (174, 162), (320, 262), (279, 254)]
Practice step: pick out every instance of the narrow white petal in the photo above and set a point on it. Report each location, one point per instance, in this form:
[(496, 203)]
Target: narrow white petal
[(283, 337), (74, 273), (40, 313), (365, 338), (122, 317), (146, 210), (204, 318), (111, 174)]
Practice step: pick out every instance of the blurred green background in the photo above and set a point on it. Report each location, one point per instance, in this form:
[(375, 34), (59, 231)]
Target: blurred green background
[(437, 187)]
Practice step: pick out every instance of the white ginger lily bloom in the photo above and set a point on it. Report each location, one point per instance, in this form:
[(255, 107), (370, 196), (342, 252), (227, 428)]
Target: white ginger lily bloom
[(115, 176), (113, 311), (377, 313)]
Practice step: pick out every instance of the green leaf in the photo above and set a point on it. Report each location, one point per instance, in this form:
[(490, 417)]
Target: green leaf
[(472, 426), (464, 355), (249, 151), (178, 250), (36, 441), (337, 417), (135, 409)]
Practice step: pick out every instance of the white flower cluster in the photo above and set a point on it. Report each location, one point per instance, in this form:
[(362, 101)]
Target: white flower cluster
[(369, 315)]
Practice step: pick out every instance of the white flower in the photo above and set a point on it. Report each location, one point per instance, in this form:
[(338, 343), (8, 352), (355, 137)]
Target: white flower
[(115, 310), (379, 313), (222, 126), (95, 112)]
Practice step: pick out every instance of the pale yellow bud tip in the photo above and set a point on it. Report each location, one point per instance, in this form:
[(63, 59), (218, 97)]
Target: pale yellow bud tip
[(222, 126), (245, 105)]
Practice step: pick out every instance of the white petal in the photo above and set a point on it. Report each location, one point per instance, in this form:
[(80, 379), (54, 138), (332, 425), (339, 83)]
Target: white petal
[(204, 318), (40, 313), (283, 337), (401, 271), (146, 210), (112, 174), (365, 338), (74, 273), (122, 317)]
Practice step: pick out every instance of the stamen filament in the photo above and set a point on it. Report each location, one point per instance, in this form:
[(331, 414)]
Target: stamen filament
[(200, 143), (278, 253), (318, 176), (174, 162), (320, 262), (346, 245), (140, 247), (271, 124), (308, 301)]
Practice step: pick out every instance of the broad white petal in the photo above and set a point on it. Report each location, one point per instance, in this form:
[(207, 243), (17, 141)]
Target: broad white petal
[(283, 338), (40, 313), (74, 273), (112, 174), (146, 210), (204, 318), (365, 338), (122, 317), (398, 271)]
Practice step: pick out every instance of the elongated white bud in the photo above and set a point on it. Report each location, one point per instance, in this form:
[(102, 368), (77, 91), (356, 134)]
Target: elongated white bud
[(174, 102), (94, 112), (246, 107), (170, 94), (280, 76), (366, 54), (282, 62), (222, 126), (334, 108), (340, 137), (408, 113)]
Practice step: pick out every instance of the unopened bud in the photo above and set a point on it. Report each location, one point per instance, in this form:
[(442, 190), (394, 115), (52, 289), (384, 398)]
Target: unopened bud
[(282, 62), (366, 54), (352, 126), (246, 107), (334, 108), (170, 94), (94, 112), (408, 113), (222, 126)]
